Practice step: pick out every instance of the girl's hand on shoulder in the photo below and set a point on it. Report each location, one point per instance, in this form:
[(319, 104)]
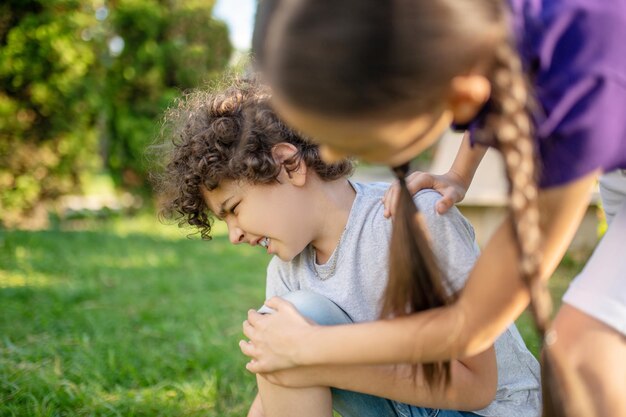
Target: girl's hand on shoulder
[(449, 185), (275, 340)]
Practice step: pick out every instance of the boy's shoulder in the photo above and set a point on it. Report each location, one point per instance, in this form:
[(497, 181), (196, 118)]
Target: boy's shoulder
[(376, 190), (370, 189), (426, 201), (370, 199), (367, 213)]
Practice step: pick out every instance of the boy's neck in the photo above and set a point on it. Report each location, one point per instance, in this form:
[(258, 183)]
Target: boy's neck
[(335, 204)]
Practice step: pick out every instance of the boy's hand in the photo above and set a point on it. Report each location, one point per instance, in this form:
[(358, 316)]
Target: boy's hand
[(449, 185)]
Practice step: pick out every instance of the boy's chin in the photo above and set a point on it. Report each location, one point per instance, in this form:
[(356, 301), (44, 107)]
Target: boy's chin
[(286, 256)]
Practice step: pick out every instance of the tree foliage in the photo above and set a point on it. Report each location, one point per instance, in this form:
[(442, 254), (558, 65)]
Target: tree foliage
[(168, 47), (84, 79), (46, 102)]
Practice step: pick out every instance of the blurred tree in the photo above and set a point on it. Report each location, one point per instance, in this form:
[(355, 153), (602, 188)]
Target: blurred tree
[(75, 73), (158, 48), (46, 102)]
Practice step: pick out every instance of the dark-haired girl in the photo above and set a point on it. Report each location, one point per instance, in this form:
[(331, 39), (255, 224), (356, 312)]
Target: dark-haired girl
[(382, 80)]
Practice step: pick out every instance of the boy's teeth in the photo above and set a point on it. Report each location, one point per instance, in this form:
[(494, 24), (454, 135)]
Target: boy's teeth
[(264, 242)]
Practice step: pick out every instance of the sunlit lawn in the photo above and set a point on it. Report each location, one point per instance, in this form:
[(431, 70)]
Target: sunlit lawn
[(128, 317)]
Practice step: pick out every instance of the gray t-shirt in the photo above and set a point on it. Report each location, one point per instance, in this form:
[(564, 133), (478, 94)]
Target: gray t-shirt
[(357, 283)]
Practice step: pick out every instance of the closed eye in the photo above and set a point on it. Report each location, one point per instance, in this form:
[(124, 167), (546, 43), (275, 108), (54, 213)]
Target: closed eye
[(232, 209)]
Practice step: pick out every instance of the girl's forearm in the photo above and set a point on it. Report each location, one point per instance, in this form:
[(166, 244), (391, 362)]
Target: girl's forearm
[(467, 160), (492, 299), (429, 336), (473, 382), (470, 325)]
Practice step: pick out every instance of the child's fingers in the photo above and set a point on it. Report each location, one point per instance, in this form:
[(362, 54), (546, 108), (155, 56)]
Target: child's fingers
[(393, 201), (254, 317), (393, 186), (390, 200), (444, 204), (254, 367), (448, 199), (247, 348), (278, 304), (419, 181), (248, 329)]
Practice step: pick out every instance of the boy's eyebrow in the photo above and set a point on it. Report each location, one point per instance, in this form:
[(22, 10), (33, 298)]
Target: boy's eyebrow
[(222, 211)]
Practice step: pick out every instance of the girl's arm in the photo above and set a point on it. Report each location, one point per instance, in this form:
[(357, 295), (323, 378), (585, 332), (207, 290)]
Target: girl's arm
[(493, 297), (452, 185), (473, 382), (468, 158)]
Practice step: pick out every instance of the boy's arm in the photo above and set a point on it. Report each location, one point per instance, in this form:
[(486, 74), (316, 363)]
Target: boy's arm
[(256, 409), (473, 382)]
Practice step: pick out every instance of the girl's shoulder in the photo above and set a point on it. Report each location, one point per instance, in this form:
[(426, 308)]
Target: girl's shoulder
[(571, 36)]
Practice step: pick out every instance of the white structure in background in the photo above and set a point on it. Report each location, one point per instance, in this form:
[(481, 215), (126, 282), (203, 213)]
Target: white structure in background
[(485, 203)]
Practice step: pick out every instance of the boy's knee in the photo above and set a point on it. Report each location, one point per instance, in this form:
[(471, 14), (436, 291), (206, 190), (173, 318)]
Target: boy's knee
[(315, 307)]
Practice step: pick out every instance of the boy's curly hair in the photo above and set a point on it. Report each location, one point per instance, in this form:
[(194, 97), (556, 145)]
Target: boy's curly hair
[(212, 136)]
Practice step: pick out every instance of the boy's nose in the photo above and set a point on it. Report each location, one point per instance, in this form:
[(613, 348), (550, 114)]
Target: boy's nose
[(235, 235)]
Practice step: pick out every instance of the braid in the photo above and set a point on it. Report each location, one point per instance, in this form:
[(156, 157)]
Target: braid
[(415, 281), (509, 127)]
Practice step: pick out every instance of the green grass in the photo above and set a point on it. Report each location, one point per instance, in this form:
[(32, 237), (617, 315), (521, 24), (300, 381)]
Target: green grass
[(127, 317)]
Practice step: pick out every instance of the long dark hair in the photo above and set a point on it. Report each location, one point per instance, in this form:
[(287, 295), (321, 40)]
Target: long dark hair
[(359, 57), (415, 280)]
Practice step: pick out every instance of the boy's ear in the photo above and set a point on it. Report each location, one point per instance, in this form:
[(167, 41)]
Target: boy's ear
[(469, 93), (283, 153)]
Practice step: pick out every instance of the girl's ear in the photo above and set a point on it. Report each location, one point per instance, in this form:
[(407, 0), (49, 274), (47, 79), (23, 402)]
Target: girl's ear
[(468, 95), (293, 169)]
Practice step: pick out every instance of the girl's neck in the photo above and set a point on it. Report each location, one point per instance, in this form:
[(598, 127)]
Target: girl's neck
[(332, 213)]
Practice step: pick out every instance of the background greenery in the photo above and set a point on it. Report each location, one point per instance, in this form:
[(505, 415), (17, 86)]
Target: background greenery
[(126, 317), (105, 313), (83, 84)]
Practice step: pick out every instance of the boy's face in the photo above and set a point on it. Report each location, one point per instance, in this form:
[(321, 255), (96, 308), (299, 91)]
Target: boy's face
[(275, 216)]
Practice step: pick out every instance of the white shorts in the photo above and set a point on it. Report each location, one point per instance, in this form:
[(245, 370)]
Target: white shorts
[(600, 289)]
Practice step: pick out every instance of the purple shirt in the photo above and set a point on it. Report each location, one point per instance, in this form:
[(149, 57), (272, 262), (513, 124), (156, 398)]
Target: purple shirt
[(575, 52)]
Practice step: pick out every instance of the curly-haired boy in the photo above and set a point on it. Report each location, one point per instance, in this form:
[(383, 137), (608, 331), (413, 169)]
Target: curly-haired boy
[(228, 156)]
